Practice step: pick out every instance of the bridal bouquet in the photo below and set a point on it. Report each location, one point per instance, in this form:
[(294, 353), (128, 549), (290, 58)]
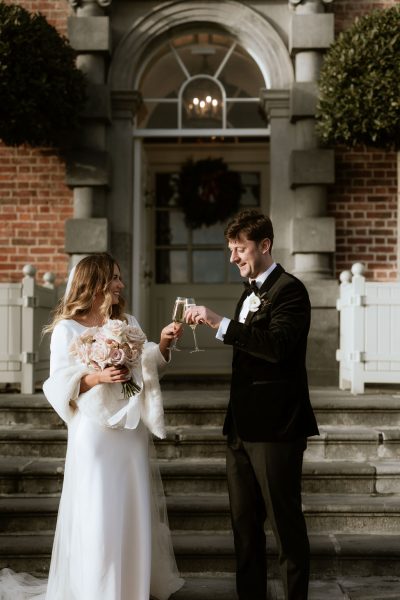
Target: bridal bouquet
[(114, 344)]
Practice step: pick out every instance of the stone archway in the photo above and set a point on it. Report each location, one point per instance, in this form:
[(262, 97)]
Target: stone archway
[(250, 28)]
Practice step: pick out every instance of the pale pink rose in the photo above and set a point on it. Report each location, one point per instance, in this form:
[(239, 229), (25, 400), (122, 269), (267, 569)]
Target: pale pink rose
[(100, 354), (117, 356)]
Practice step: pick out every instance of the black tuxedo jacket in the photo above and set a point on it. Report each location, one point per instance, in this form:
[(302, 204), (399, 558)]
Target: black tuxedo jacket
[(269, 399)]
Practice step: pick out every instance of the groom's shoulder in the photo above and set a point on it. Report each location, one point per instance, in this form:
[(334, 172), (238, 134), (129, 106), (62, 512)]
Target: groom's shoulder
[(288, 280)]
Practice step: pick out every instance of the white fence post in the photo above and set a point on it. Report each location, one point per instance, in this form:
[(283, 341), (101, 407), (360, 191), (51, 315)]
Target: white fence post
[(28, 354), (351, 305), (357, 350)]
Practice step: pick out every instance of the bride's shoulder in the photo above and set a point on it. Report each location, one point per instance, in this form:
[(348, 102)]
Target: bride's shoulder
[(66, 328), (131, 320)]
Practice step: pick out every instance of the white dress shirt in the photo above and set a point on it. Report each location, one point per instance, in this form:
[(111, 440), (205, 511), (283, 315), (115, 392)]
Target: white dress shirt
[(223, 326)]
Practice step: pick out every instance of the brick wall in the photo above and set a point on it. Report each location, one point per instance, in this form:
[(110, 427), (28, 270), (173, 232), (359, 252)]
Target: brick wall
[(34, 201), (364, 198), (364, 202)]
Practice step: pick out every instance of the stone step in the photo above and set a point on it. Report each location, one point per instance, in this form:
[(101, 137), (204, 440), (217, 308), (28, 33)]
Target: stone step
[(222, 587), (25, 440), (331, 407), (28, 409), (334, 555), (203, 406), (26, 475), (331, 513), (334, 443), (341, 513)]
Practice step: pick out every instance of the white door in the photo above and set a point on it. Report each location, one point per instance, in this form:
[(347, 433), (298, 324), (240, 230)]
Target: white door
[(195, 262)]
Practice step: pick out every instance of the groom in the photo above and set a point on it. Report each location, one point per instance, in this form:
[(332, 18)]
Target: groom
[(269, 416)]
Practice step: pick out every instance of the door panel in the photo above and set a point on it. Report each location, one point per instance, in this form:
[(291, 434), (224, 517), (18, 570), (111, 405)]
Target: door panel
[(195, 262)]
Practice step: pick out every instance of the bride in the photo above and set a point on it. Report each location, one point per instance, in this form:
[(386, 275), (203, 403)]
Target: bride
[(112, 540)]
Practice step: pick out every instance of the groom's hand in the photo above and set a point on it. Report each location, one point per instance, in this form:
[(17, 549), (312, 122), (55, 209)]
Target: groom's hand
[(202, 315)]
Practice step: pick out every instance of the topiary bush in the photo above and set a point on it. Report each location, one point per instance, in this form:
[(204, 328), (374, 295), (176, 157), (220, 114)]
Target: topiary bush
[(359, 98), (41, 89)]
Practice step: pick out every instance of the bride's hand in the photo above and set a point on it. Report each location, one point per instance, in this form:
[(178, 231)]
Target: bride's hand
[(168, 334), (114, 375), (109, 375)]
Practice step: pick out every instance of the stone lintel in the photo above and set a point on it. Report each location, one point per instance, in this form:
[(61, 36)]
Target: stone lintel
[(90, 34), (312, 167), (85, 236), (313, 234), (98, 104), (87, 167), (275, 103), (125, 103), (314, 31), (303, 99)]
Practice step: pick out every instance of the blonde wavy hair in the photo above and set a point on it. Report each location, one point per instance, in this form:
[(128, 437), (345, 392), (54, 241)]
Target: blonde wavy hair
[(93, 275)]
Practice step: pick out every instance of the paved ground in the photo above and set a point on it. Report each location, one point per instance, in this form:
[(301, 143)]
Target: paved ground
[(366, 588)]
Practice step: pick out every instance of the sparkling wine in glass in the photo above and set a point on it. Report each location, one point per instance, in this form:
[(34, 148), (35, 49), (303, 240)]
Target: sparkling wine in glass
[(178, 316), (190, 303)]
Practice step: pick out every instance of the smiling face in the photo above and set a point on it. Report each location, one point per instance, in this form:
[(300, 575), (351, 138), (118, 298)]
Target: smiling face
[(116, 285), (251, 258)]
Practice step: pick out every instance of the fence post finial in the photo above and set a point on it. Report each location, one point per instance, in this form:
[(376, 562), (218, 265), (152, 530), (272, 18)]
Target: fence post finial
[(29, 271), (345, 277), (358, 269), (49, 279)]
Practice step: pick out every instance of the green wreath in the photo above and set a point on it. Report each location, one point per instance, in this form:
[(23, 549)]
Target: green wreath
[(208, 192)]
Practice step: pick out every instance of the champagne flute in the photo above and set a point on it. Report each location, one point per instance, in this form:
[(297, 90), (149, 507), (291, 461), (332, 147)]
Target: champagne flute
[(178, 316), (190, 303)]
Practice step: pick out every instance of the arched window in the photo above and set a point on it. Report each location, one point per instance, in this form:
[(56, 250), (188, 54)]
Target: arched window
[(201, 81)]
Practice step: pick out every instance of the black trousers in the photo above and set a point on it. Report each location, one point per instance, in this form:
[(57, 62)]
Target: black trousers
[(264, 480)]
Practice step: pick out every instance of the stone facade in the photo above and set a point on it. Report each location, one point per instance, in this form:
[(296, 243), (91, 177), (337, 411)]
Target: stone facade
[(330, 208)]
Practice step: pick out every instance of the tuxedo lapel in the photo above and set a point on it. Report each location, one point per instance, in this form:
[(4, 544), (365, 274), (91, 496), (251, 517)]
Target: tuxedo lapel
[(272, 279), (239, 305), (266, 286)]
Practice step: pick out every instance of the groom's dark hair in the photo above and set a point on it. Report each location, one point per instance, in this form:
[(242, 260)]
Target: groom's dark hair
[(252, 224)]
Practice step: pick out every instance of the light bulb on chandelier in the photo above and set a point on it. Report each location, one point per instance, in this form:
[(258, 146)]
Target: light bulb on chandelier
[(204, 107)]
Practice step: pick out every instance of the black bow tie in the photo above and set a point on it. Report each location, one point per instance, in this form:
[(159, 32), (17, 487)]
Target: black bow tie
[(251, 287)]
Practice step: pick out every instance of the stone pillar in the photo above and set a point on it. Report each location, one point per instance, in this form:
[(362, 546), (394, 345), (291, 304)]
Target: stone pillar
[(300, 173), (311, 168), (88, 165)]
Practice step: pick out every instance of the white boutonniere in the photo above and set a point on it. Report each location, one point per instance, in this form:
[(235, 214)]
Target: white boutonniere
[(254, 302)]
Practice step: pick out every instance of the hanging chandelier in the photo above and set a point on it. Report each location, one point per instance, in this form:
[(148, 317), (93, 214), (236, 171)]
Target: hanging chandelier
[(205, 106)]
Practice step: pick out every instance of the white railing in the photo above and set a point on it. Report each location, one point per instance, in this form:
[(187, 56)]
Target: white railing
[(24, 310), (369, 349)]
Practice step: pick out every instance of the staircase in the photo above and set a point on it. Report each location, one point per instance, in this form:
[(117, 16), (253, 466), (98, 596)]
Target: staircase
[(351, 489)]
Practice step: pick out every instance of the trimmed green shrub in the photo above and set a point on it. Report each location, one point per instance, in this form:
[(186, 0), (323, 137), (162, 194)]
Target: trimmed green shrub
[(41, 89), (359, 99)]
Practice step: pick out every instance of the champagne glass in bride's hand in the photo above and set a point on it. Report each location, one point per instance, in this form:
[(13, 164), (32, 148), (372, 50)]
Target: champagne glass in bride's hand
[(178, 316), (190, 303)]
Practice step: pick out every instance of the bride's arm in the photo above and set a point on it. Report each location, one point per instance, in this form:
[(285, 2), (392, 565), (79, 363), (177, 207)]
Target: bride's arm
[(167, 336)]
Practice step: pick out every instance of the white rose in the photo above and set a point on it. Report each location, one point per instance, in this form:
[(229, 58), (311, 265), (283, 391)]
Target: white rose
[(114, 329), (254, 302)]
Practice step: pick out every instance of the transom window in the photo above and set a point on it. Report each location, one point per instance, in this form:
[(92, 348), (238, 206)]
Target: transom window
[(201, 81)]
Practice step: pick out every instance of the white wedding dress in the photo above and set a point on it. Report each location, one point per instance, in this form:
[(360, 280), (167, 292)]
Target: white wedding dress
[(112, 540)]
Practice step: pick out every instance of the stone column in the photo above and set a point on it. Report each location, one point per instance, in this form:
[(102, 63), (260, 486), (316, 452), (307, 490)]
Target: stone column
[(311, 168), (88, 168)]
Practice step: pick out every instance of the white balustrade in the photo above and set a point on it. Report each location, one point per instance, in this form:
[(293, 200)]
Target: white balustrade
[(24, 310), (369, 349)]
